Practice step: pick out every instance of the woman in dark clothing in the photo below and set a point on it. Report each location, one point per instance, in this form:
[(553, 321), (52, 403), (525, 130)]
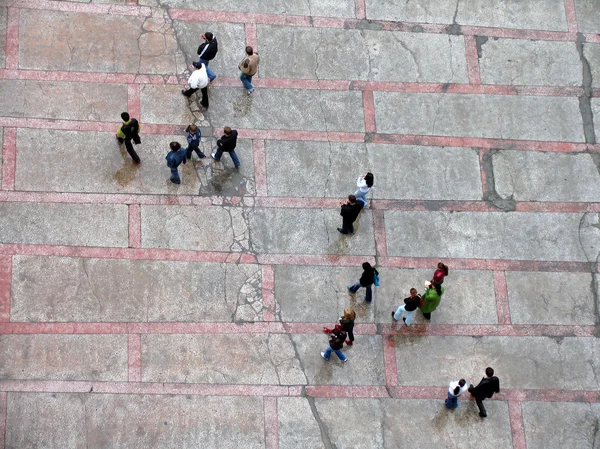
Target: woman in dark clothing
[(347, 324), (336, 343), (366, 280)]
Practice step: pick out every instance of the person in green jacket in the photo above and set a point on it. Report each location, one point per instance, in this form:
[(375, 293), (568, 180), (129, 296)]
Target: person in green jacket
[(431, 299)]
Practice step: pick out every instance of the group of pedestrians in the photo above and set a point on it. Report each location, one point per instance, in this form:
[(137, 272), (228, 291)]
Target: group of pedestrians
[(485, 389)]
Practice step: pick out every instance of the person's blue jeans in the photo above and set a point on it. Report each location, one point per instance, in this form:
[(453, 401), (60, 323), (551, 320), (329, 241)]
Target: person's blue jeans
[(368, 296), (175, 176), (452, 401), (409, 315), (209, 72), (338, 352), (246, 81), (234, 157), (362, 197)]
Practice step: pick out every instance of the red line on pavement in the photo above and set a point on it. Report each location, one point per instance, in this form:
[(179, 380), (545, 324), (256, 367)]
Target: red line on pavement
[(9, 158), (317, 328), (188, 15), (322, 259), (571, 15), (11, 46), (5, 287), (592, 39), (251, 37), (132, 2), (347, 391), (369, 111), (133, 100), (515, 414), (389, 361), (488, 330), (472, 60), (134, 350), (268, 293), (3, 417), (135, 226), (502, 303), (271, 423), (360, 9), (260, 167), (379, 228)]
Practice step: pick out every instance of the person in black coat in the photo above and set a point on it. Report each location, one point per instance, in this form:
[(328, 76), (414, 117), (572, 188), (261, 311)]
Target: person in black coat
[(227, 144), (366, 280), (336, 343), (350, 212), (207, 52), (486, 389)]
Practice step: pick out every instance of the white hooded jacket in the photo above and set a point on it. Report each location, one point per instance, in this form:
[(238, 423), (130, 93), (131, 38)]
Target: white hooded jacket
[(199, 78)]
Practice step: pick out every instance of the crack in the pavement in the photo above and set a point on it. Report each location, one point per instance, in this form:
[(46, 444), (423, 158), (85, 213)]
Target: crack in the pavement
[(325, 438), (593, 264), (491, 196), (585, 100)]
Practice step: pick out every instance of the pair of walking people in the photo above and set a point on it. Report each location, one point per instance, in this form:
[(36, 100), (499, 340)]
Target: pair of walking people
[(338, 335), (351, 208), (487, 387)]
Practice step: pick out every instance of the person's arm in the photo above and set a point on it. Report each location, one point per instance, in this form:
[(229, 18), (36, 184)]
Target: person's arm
[(202, 49), (120, 133), (497, 390)]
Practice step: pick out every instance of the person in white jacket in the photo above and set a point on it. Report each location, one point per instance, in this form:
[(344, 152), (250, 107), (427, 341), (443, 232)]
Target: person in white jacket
[(455, 389), (198, 80), (364, 184)]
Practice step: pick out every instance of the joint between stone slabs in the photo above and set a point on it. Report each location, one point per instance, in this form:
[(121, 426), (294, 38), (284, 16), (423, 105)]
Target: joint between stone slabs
[(271, 423), (9, 158), (5, 287)]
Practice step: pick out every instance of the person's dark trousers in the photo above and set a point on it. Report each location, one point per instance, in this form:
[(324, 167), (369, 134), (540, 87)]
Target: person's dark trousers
[(481, 407), (188, 93), (234, 158), (351, 336), (193, 146), (368, 294), (347, 226), (130, 149), (204, 101), (427, 315), (175, 176)]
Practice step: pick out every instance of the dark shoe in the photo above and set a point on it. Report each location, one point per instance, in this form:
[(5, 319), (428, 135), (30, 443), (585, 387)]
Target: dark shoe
[(483, 415), (366, 300), (341, 230), (349, 343), (393, 313), (175, 182), (404, 319)]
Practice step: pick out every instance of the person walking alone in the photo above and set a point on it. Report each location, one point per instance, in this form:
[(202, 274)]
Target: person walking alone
[(410, 305), (249, 67), (455, 389), (227, 144), (350, 212), (198, 80), (366, 280), (130, 130), (336, 343), (207, 52), (489, 385), (364, 184), (175, 158)]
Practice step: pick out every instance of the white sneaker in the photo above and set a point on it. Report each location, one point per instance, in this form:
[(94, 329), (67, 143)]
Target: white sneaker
[(213, 156), (323, 355)]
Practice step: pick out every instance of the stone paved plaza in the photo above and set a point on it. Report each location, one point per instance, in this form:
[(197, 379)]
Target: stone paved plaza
[(136, 313)]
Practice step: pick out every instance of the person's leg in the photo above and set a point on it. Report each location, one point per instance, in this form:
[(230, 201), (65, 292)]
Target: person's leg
[(327, 353), (408, 319), (175, 176), (246, 81), (217, 154), (120, 140), (196, 147), (188, 93), (351, 227), (188, 152), (398, 313), (369, 295), (427, 315), (361, 197), (481, 407), (340, 354), (209, 72), (131, 151), (204, 101), (449, 401), (234, 158), (354, 288)]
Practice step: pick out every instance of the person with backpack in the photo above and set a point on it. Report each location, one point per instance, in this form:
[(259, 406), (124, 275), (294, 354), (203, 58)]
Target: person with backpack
[(455, 389), (410, 305), (336, 343), (489, 385), (431, 299), (130, 130), (193, 139), (347, 324), (369, 277), (175, 158)]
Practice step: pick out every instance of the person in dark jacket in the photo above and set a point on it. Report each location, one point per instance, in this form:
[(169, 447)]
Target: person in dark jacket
[(410, 305), (227, 144), (486, 389), (350, 212), (175, 158), (336, 343), (130, 130), (193, 139), (366, 280), (347, 323), (207, 52)]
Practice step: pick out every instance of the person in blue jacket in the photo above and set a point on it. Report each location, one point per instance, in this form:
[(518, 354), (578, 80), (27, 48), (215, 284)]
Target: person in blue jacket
[(175, 158)]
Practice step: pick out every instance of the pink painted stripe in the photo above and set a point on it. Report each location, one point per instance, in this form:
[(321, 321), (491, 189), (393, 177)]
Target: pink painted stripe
[(268, 293), (271, 423), (9, 158), (74, 125), (317, 328), (260, 167), (11, 46), (3, 417), (201, 16), (5, 287), (350, 391), (135, 226), (133, 100), (514, 33), (571, 15), (134, 350), (251, 37), (592, 39), (360, 9), (517, 427), (489, 330), (369, 111), (389, 360), (472, 60), (132, 2), (380, 236), (298, 259), (502, 303)]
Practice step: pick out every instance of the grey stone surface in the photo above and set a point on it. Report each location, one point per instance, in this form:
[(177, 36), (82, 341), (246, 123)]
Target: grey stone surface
[(1, 143), (3, 16), (536, 14), (396, 169), (520, 362), (124, 421), (490, 116), (64, 224), (112, 171), (414, 424), (488, 235), (596, 113), (297, 425), (195, 228), (297, 109), (309, 231), (592, 54), (74, 289), (164, 104), (550, 298), (222, 359), (555, 425), (64, 357), (538, 176), (319, 294), (329, 53), (104, 102), (524, 62), (588, 16)]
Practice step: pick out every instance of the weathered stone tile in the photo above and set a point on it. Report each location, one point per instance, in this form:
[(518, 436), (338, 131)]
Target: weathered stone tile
[(1, 143), (330, 53), (550, 298), (519, 362), (592, 54), (112, 171), (524, 176), (64, 224), (195, 228), (164, 104), (64, 357), (234, 359), (124, 421), (395, 168), (295, 109), (72, 289), (555, 425), (535, 14), (588, 16), (385, 423), (309, 231), (524, 62), (489, 116), (486, 235), (297, 425), (103, 102), (364, 365), (3, 16), (596, 113)]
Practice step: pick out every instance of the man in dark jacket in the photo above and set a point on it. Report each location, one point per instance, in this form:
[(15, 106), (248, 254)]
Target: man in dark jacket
[(227, 144), (350, 211), (128, 132), (366, 280), (175, 158), (486, 389), (410, 305), (207, 52), (336, 343)]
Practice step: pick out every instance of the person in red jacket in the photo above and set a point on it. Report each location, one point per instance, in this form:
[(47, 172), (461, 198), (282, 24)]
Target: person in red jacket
[(440, 274), (336, 343), (347, 323)]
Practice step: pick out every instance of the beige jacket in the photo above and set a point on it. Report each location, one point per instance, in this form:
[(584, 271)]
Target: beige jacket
[(249, 64)]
